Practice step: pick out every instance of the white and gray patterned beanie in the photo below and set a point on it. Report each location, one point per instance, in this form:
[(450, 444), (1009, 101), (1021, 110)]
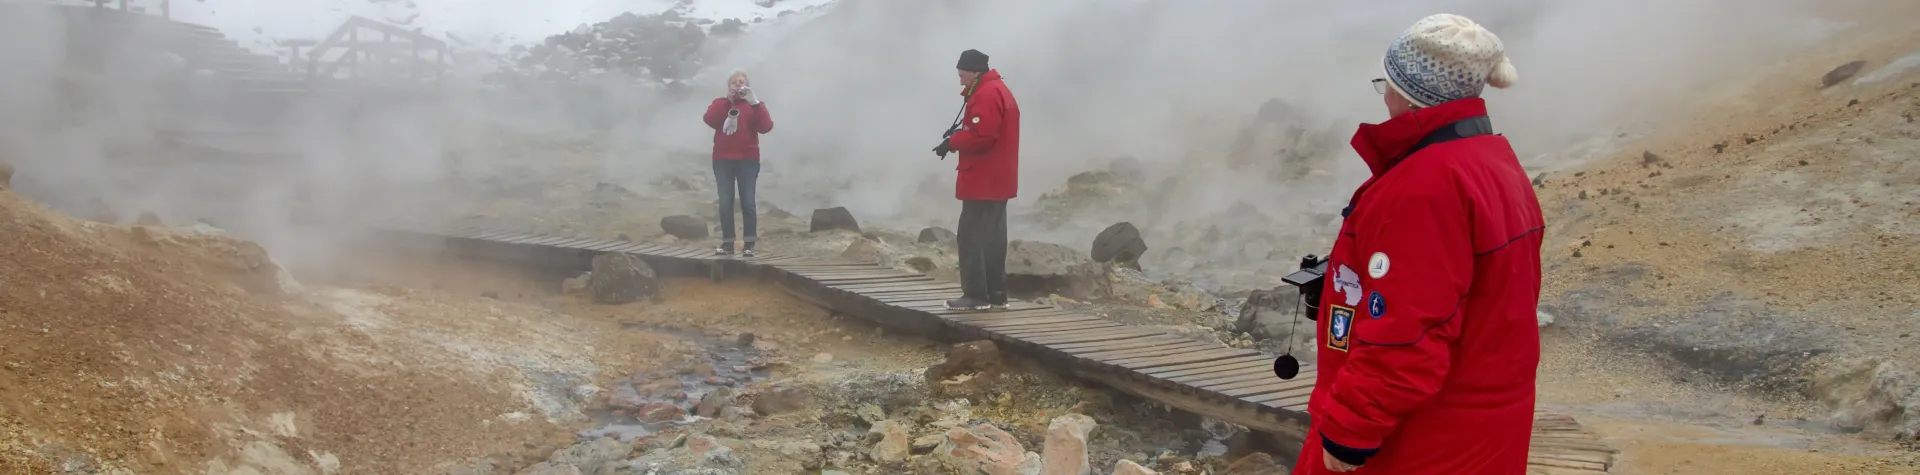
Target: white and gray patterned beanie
[(1446, 57)]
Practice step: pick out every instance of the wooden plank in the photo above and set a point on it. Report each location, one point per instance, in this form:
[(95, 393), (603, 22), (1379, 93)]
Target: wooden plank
[(862, 287), (1151, 341), (983, 317), (1022, 323), (521, 238), (494, 235), (918, 294), (1250, 373), (1278, 398), (899, 292), (1264, 361), (1192, 346), (605, 246), (895, 279), (1127, 333), (1058, 328), (1196, 357), (574, 243)]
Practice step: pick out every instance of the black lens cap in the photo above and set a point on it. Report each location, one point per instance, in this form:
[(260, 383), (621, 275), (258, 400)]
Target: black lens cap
[(1286, 367)]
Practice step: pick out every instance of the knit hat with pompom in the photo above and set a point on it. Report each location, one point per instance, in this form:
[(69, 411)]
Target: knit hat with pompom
[(1446, 57)]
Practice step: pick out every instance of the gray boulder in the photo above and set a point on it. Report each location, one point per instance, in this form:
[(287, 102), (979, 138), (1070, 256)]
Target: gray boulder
[(833, 218), (621, 278), (935, 235), (1121, 244), (685, 227)]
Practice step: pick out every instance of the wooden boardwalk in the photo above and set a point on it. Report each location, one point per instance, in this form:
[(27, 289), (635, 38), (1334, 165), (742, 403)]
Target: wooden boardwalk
[(1229, 384)]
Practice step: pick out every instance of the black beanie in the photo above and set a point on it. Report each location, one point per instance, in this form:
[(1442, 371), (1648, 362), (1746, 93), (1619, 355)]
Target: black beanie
[(973, 60)]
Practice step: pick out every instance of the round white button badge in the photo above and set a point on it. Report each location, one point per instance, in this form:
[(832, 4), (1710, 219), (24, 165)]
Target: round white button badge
[(1377, 266)]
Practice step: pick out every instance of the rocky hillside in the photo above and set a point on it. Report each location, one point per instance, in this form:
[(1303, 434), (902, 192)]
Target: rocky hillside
[(1766, 243)]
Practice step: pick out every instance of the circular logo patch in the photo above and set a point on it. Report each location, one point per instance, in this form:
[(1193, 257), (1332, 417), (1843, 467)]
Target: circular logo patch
[(976, 120), (1377, 266)]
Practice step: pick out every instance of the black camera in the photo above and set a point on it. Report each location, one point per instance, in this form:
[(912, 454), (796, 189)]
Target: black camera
[(1310, 279)]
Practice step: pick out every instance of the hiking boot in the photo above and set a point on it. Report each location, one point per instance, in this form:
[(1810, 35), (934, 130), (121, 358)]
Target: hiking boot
[(998, 302), (748, 250), (967, 303)]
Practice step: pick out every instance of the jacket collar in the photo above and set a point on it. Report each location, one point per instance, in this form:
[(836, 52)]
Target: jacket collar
[(1383, 145), (986, 77)]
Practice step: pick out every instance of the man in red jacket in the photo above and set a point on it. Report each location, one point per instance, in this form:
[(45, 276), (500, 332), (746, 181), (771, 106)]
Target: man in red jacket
[(738, 118), (1427, 330), (988, 139)]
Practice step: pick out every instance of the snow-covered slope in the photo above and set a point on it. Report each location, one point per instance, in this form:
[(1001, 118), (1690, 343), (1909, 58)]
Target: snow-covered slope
[(482, 24)]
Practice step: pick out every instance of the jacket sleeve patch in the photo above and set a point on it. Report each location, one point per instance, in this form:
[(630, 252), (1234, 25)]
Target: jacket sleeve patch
[(1347, 284), (1339, 327)]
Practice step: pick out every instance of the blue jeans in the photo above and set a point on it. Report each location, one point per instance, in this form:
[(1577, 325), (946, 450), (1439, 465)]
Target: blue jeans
[(741, 175)]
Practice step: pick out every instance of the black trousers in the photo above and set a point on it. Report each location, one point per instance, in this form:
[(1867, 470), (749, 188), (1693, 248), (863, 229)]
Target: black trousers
[(983, 250)]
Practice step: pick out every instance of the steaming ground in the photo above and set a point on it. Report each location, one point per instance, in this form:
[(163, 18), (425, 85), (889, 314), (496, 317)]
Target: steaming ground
[(1731, 285)]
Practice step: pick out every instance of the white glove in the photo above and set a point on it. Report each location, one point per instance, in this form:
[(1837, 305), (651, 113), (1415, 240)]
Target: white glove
[(733, 123), (751, 98)]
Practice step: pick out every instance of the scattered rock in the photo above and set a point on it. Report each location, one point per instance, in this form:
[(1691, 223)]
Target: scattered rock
[(6, 174), (936, 235), (973, 357), (895, 444), (600, 456), (620, 278), (744, 340), (921, 264), (685, 227), (926, 443), (149, 219), (657, 412), (780, 400), (862, 250), (1039, 268), (1127, 467), (1274, 315), (712, 402), (575, 284), (1120, 244), (1065, 449), (1255, 464), (1648, 159), (1841, 74), (833, 218), (823, 358), (982, 449), (1544, 317)]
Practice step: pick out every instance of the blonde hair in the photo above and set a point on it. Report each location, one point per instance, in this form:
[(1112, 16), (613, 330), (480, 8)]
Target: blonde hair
[(737, 73)]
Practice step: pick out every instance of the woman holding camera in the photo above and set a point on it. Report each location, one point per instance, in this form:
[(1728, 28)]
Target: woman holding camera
[(738, 118)]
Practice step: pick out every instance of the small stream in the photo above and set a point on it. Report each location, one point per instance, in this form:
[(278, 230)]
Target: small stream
[(646, 404)]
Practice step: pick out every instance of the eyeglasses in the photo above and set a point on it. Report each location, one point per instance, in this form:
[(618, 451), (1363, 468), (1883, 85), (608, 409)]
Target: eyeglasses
[(1379, 85)]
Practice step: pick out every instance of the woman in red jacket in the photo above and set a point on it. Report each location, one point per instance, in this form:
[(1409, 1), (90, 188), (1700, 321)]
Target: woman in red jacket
[(738, 118), (1428, 333)]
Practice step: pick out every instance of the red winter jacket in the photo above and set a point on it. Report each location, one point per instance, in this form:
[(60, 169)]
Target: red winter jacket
[(989, 143), (744, 144), (1428, 338)]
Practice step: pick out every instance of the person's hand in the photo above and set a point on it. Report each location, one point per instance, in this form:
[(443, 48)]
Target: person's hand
[(746, 93), (1334, 464), (943, 149)]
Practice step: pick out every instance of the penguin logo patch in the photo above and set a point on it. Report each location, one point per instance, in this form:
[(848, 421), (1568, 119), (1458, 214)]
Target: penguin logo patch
[(1376, 304), (1339, 327), (1377, 266)]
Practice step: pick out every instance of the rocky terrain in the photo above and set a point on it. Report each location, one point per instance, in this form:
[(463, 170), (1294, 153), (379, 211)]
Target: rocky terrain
[(1732, 292)]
